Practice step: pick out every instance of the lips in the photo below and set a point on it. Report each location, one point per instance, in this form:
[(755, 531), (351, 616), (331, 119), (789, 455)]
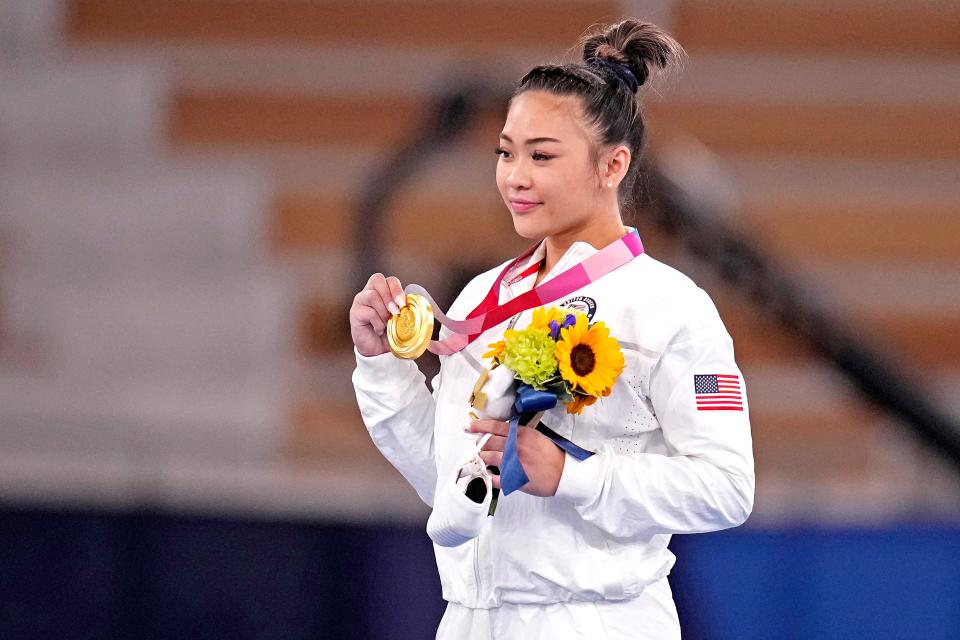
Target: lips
[(523, 206)]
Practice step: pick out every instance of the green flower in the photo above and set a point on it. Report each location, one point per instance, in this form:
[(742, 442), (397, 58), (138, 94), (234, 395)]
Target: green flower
[(530, 353)]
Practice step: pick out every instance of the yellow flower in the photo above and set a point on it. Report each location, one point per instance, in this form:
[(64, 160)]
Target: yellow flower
[(590, 360), (541, 320), (579, 402), (497, 348), (542, 316)]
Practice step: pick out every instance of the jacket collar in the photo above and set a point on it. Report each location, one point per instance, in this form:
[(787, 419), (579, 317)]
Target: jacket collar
[(576, 253)]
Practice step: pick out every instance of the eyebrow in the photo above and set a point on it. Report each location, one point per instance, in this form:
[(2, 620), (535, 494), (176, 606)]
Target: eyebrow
[(531, 140)]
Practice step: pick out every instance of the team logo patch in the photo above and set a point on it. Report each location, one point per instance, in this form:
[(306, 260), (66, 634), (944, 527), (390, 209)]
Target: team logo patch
[(582, 304), (718, 392)]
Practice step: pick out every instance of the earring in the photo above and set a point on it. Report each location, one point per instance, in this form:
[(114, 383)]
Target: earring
[(609, 184)]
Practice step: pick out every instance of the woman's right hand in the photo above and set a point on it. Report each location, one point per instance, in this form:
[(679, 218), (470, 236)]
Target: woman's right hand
[(381, 298)]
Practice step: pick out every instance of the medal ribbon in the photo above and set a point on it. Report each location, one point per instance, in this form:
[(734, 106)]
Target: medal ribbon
[(489, 314)]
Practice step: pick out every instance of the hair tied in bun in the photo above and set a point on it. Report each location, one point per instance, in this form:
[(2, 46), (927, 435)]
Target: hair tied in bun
[(620, 70)]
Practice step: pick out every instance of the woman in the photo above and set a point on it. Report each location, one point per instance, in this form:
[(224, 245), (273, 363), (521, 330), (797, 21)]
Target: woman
[(581, 550)]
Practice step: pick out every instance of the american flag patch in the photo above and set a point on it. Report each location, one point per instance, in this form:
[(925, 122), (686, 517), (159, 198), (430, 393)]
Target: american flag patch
[(718, 392)]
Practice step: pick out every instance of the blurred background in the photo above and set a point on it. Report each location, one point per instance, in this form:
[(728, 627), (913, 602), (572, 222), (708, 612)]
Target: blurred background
[(191, 191)]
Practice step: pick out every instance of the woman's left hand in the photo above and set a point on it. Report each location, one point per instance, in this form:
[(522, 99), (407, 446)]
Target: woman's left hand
[(541, 459)]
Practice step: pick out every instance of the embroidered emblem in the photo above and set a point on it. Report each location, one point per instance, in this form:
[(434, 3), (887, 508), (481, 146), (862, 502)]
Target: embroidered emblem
[(583, 304)]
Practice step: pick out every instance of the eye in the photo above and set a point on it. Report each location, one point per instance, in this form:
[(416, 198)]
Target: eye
[(540, 156), (500, 151)]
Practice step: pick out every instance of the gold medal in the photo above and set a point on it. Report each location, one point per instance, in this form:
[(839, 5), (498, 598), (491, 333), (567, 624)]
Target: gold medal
[(409, 331)]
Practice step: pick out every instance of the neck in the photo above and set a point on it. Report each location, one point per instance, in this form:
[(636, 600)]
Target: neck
[(598, 234)]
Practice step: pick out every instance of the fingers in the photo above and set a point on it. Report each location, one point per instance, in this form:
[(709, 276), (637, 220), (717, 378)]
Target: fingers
[(495, 443), (495, 427), (371, 309), (396, 290), (389, 291), (483, 440), (380, 299), (494, 458), (368, 314)]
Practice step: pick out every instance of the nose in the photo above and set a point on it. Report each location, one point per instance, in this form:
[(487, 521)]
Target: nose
[(518, 176)]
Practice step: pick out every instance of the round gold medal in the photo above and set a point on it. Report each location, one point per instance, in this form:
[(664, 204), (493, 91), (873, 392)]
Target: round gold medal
[(409, 331)]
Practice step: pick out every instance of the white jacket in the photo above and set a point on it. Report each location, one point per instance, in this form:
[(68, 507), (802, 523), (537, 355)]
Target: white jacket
[(662, 466)]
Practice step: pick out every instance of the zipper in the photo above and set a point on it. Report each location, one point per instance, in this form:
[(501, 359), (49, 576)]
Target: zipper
[(476, 564)]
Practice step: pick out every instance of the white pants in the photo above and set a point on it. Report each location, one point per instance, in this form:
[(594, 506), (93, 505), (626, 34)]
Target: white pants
[(650, 616)]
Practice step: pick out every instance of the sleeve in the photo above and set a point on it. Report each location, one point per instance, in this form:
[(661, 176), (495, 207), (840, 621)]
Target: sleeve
[(398, 411), (707, 481)]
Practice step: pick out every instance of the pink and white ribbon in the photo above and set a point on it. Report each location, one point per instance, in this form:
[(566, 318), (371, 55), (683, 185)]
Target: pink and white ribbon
[(489, 314)]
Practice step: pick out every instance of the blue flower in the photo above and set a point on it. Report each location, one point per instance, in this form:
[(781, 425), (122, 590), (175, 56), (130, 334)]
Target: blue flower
[(555, 328)]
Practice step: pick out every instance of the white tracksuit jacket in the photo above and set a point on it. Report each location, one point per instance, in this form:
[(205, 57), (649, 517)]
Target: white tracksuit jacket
[(662, 466)]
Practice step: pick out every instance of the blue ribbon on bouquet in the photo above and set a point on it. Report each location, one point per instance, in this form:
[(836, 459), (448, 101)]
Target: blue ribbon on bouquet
[(530, 401)]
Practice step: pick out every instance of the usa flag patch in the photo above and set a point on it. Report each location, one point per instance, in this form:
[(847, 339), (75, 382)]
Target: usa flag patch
[(718, 392)]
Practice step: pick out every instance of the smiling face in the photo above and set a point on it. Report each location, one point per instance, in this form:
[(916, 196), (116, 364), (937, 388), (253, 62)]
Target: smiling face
[(546, 174)]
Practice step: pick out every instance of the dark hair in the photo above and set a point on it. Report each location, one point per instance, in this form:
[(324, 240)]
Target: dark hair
[(616, 62)]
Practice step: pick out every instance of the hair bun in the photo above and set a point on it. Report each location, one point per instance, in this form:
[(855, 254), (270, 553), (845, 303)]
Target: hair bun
[(621, 70), (639, 47)]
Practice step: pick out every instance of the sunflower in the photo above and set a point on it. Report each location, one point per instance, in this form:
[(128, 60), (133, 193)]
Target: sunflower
[(580, 401), (589, 359)]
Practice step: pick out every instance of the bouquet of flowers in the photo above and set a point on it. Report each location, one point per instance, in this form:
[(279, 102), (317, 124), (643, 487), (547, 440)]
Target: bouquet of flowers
[(560, 358), (562, 353)]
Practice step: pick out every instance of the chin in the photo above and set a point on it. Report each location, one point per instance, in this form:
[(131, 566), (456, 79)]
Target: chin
[(528, 228)]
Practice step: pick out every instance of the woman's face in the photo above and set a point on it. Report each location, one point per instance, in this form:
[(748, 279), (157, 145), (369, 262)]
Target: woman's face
[(545, 173)]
